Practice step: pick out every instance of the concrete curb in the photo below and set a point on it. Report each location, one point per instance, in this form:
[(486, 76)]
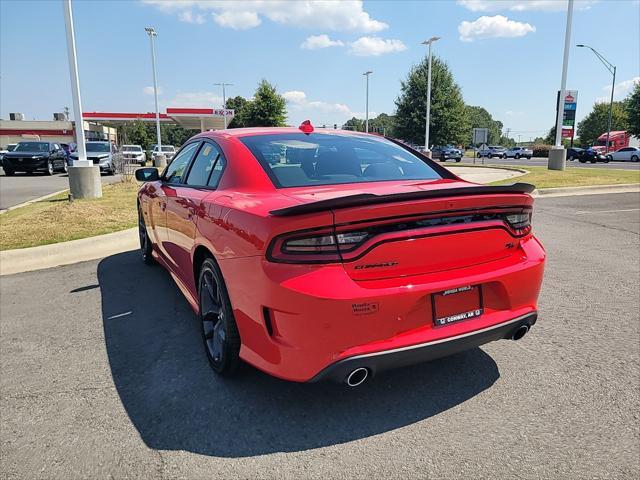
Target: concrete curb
[(65, 253), (34, 200), (588, 190)]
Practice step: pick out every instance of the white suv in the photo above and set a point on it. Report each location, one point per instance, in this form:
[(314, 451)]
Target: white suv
[(167, 150), (517, 152), (134, 154)]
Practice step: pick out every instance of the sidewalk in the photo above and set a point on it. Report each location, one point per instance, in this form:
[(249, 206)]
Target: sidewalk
[(484, 174)]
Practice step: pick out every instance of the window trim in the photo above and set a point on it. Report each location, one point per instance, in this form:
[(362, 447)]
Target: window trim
[(190, 166), (163, 177)]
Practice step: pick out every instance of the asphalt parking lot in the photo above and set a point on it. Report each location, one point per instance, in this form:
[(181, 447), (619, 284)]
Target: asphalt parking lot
[(22, 187), (103, 375), (542, 162)]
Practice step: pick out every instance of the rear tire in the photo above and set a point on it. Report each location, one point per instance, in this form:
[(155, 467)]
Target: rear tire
[(8, 172), (219, 330), (634, 158), (458, 159)]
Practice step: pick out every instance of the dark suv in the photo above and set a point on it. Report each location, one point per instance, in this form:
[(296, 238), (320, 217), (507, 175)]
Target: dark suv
[(445, 153), (35, 156)]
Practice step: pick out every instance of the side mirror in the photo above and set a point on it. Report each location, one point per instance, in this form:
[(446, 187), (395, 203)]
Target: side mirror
[(147, 175)]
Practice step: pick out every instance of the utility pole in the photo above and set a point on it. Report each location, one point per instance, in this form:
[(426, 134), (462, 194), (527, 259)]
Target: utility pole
[(612, 69), (428, 115), (160, 159), (366, 115), (224, 100), (557, 154), (84, 177)]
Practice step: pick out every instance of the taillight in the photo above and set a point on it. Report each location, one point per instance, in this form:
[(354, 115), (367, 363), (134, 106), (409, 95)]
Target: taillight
[(520, 222), (320, 247)]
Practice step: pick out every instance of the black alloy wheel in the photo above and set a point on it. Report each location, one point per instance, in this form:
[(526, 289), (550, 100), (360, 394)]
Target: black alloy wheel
[(219, 329), (145, 241)]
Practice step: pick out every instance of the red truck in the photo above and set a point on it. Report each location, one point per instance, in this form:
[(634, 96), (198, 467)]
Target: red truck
[(617, 139)]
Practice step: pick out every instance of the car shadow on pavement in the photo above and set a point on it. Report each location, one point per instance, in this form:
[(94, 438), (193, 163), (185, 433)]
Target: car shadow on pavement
[(176, 402)]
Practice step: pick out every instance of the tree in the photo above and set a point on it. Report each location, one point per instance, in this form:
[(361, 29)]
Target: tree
[(478, 117), (135, 133), (354, 124), (267, 109), (383, 124), (632, 109), (449, 124), (595, 123), (237, 104)]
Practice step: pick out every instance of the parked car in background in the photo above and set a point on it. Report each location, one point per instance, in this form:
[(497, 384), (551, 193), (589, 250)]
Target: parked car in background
[(167, 150), (333, 272), (448, 152), (134, 154), (101, 154), (35, 156), (518, 152), (626, 154), (592, 155), (9, 148), (574, 153), (492, 151)]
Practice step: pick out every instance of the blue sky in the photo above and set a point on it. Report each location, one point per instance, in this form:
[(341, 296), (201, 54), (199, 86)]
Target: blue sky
[(505, 55)]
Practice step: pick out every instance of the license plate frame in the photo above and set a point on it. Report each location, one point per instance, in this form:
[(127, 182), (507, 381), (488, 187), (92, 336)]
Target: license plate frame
[(447, 317)]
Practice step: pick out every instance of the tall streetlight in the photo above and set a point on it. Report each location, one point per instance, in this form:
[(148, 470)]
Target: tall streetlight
[(152, 34), (366, 115), (428, 116), (612, 69), (557, 154), (84, 176), (224, 100)]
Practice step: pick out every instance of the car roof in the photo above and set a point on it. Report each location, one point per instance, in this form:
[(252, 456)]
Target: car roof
[(244, 132)]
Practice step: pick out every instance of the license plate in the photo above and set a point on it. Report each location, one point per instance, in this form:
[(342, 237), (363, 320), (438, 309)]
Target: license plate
[(457, 304)]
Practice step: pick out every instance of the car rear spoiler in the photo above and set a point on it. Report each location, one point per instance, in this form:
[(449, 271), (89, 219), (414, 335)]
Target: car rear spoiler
[(371, 199)]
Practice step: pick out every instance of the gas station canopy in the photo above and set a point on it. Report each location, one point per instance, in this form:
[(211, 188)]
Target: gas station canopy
[(190, 118)]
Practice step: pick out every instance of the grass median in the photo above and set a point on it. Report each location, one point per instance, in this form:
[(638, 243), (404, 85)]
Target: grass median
[(58, 220), (542, 177)]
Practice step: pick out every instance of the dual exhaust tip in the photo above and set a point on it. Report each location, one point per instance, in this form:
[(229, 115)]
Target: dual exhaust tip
[(360, 375)]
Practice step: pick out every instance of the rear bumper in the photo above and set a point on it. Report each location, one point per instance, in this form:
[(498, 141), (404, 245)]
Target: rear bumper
[(424, 352)]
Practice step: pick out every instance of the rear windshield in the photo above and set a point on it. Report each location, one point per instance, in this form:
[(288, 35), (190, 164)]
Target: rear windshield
[(298, 160)]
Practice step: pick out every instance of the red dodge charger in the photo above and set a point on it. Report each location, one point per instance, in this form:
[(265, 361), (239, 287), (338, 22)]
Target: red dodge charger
[(334, 255)]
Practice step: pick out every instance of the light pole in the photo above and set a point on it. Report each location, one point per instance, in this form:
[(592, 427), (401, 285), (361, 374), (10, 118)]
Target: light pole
[(612, 69), (84, 177), (152, 34), (428, 116), (557, 154), (366, 115), (224, 100)]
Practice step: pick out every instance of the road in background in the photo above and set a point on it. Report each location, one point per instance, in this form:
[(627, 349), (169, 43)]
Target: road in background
[(542, 162), (22, 187), (104, 375)]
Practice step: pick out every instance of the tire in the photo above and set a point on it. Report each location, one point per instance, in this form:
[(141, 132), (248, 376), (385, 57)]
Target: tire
[(517, 156), (49, 170), (9, 172), (145, 241), (65, 167), (571, 159), (609, 158), (504, 156), (458, 160), (582, 160), (634, 158), (219, 330), (594, 160)]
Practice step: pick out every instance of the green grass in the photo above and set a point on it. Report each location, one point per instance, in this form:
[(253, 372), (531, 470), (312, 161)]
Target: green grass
[(541, 177), (57, 220)]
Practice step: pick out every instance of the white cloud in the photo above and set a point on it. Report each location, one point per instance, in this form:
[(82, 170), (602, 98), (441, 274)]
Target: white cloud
[(189, 17), (238, 20), (621, 91), (320, 41), (346, 15), (195, 100), (375, 46), (523, 5), (497, 26), (301, 108), (149, 90)]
